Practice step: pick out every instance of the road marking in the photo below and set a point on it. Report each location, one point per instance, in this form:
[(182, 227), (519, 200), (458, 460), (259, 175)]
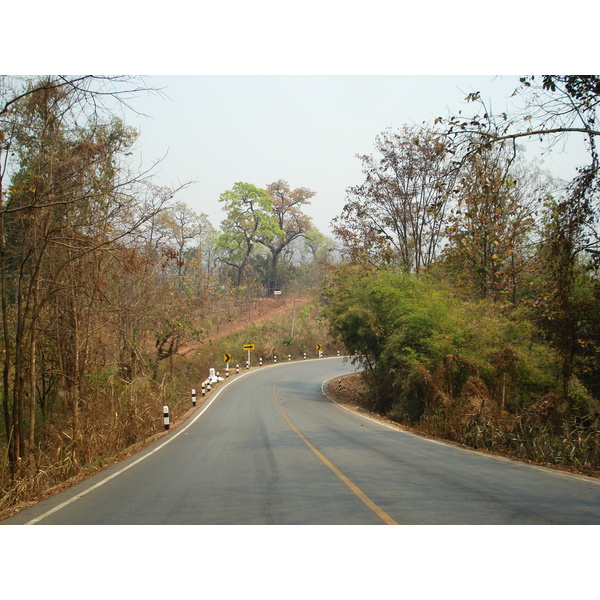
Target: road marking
[(139, 460), (162, 445), (482, 454), (353, 487)]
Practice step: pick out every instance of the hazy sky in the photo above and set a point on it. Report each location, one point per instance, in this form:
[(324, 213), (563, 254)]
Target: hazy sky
[(307, 130), (260, 91)]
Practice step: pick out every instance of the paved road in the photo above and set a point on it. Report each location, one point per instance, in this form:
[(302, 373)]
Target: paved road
[(268, 448)]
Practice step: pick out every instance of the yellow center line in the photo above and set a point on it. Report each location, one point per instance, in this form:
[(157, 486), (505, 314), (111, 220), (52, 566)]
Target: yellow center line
[(353, 487)]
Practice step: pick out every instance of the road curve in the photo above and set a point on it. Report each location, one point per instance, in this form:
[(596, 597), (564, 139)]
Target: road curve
[(268, 448)]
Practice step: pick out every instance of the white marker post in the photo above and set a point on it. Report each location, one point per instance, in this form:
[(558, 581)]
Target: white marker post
[(193, 397), (166, 417)]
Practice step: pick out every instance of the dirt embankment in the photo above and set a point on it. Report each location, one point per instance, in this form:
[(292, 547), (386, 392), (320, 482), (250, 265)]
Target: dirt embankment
[(348, 390), (256, 310), (261, 310)]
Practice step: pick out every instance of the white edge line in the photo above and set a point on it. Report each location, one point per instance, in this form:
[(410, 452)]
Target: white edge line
[(162, 445), (399, 429), (139, 460)]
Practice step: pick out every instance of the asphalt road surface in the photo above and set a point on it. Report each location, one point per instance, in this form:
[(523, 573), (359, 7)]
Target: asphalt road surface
[(268, 448)]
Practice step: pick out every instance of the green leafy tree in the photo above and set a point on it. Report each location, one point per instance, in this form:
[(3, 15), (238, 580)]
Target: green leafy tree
[(249, 219), (419, 343)]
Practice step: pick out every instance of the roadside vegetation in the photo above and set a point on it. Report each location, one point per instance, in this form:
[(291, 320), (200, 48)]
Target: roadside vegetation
[(470, 283), (472, 371), (465, 278), (115, 297)]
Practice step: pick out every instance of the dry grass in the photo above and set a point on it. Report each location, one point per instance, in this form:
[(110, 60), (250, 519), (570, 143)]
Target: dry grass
[(537, 436), (63, 468)]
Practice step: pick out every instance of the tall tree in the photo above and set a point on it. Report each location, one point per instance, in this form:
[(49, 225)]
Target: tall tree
[(397, 215), (184, 238), (249, 219), (491, 226), (67, 201), (554, 106), (292, 223)]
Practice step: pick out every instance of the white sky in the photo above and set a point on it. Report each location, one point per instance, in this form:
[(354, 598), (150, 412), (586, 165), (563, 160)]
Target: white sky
[(307, 130), (261, 90)]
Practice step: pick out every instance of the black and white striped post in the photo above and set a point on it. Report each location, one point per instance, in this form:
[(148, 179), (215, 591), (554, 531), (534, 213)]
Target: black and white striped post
[(339, 385), (166, 417), (237, 368), (305, 356), (289, 357), (260, 362), (226, 370), (275, 359), (208, 385), (203, 388), (193, 397)]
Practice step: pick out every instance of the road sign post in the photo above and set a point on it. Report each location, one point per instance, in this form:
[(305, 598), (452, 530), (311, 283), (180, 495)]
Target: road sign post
[(248, 347)]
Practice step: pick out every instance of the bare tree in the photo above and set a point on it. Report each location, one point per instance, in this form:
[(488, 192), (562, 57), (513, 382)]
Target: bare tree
[(70, 198), (397, 215)]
